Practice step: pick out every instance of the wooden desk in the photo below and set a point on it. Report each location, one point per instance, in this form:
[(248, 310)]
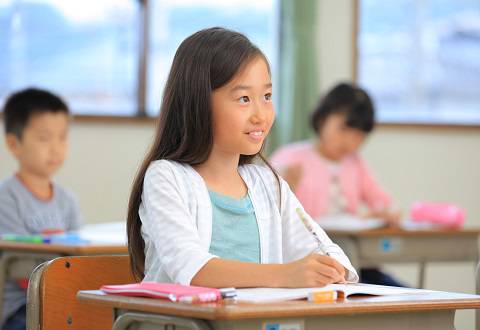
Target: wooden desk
[(390, 245), (434, 310), (18, 260)]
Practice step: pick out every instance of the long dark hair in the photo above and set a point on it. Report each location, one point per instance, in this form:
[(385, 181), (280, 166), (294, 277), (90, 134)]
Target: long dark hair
[(347, 99), (205, 61)]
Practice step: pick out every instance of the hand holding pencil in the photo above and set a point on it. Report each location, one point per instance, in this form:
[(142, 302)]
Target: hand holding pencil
[(314, 270), (320, 246)]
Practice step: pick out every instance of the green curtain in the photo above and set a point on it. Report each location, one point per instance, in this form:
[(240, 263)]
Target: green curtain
[(298, 82)]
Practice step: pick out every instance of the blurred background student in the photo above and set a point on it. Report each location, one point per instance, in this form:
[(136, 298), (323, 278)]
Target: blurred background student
[(328, 175), (36, 132)]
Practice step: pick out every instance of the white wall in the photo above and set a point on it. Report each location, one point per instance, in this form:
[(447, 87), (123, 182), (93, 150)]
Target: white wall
[(334, 42), (413, 163)]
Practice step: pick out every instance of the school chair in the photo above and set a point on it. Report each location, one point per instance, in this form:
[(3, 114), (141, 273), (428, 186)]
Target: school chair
[(53, 286)]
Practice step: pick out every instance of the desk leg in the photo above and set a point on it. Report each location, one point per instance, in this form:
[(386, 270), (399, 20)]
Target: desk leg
[(421, 274), (3, 277), (146, 321), (477, 287)]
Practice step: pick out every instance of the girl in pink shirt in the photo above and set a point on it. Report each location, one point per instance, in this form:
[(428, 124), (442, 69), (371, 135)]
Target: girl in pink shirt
[(327, 174)]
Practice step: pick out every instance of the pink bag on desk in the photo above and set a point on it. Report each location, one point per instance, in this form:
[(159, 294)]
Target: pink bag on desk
[(443, 214)]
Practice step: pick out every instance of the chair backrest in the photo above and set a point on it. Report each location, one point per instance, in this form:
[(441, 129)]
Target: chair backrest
[(51, 296)]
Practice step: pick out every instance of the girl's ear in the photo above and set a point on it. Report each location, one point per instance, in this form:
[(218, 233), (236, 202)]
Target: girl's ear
[(13, 143)]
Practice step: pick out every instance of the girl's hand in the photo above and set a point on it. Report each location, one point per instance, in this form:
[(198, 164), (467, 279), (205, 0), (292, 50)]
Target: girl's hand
[(314, 270), (293, 174), (391, 217)]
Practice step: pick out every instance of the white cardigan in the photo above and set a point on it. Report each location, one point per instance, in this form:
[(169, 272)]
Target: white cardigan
[(176, 216)]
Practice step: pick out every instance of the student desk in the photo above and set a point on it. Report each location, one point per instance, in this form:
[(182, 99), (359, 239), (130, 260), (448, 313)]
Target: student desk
[(18, 259), (394, 245), (433, 310)]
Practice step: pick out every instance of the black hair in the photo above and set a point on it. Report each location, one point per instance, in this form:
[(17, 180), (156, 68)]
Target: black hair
[(21, 106), (346, 99), (204, 62)]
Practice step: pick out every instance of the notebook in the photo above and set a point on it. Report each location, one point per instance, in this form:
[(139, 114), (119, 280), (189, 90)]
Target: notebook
[(173, 292), (343, 290)]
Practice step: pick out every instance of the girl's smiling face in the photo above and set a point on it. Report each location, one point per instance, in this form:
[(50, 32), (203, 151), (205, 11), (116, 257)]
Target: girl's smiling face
[(243, 111)]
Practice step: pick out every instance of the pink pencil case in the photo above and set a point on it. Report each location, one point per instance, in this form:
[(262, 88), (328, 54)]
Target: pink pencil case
[(443, 214), (173, 292)]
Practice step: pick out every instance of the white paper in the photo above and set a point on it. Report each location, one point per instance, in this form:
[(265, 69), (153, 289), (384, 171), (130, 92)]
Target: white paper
[(418, 226), (109, 233), (345, 222)]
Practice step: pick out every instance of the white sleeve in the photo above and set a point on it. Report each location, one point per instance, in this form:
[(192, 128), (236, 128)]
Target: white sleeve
[(299, 242), (169, 225)]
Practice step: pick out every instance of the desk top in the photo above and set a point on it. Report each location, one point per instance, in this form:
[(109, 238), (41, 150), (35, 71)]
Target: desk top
[(390, 231), (432, 300), (84, 249)]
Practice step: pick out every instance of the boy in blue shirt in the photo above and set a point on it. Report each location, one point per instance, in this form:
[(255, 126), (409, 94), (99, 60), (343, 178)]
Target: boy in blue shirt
[(36, 130)]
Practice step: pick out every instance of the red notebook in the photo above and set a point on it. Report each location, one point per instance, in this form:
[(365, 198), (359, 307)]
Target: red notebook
[(174, 292)]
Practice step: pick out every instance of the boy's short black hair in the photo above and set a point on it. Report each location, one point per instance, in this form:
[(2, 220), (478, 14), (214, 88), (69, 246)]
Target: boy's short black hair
[(346, 99), (22, 105)]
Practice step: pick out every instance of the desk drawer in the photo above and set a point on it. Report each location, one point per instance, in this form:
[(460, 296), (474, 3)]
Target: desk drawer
[(419, 248)]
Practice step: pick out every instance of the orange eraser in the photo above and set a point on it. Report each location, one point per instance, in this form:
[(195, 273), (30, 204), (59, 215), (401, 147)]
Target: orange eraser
[(322, 296)]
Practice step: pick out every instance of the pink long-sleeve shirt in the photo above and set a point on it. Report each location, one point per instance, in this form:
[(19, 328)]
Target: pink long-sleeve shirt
[(357, 184)]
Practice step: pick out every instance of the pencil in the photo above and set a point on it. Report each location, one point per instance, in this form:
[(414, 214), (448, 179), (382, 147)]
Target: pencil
[(309, 227)]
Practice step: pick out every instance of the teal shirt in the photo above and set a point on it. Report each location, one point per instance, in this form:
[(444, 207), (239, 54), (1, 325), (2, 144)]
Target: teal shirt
[(234, 229)]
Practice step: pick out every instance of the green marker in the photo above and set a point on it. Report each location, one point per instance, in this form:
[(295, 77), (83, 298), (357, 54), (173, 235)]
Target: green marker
[(25, 238)]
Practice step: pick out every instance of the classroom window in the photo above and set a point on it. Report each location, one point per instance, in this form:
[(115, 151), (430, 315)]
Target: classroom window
[(420, 59), (84, 50), (90, 52)]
